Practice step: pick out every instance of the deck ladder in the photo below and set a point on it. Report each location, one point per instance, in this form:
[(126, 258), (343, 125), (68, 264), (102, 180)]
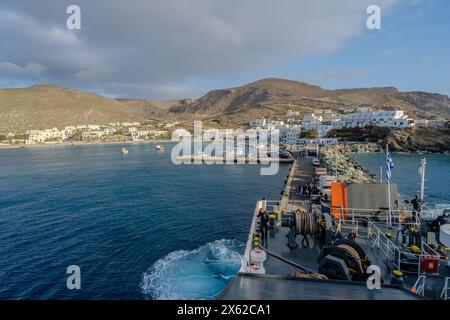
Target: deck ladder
[(444, 294), (419, 286)]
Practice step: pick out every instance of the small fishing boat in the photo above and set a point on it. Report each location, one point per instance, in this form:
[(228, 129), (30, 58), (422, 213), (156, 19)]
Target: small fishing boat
[(124, 151), (159, 147)]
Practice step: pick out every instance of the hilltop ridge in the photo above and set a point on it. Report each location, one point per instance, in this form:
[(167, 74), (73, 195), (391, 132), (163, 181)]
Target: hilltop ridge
[(48, 105)]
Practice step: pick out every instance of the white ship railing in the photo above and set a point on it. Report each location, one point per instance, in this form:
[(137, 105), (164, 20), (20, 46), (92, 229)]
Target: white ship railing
[(269, 206), (379, 239), (352, 223), (246, 258), (444, 294), (419, 286), (382, 242), (354, 213)]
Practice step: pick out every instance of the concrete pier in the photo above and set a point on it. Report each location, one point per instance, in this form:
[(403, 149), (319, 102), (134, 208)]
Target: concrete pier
[(301, 173), (220, 160)]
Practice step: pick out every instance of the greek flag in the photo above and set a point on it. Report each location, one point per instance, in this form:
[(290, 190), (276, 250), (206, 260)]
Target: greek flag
[(389, 166)]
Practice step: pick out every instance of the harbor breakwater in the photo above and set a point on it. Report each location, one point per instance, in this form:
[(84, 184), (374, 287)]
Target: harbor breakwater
[(340, 164)]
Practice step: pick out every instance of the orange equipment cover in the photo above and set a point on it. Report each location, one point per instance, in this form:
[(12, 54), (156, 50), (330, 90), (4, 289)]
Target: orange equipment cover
[(339, 199)]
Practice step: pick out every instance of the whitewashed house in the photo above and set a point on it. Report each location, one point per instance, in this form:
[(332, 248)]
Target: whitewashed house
[(180, 134), (41, 136)]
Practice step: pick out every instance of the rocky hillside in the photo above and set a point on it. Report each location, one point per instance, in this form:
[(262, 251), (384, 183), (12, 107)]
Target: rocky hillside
[(272, 97), (419, 139)]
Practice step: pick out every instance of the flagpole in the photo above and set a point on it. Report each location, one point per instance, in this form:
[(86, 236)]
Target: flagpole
[(389, 189), (381, 174)]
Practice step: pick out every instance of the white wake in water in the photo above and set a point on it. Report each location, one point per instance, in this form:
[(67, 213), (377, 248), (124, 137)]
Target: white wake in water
[(437, 208), (198, 274)]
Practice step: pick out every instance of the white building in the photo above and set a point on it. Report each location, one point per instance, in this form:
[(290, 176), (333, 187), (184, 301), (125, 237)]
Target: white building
[(291, 113), (210, 134), (92, 135), (289, 134), (46, 135), (130, 124), (180, 134), (258, 123), (360, 119), (70, 128), (226, 133), (171, 125), (109, 131), (266, 124), (157, 133), (93, 127), (312, 118), (365, 117)]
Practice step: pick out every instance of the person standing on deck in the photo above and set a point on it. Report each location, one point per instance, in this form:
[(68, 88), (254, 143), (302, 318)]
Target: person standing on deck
[(417, 205), (423, 230), (440, 221), (264, 221)]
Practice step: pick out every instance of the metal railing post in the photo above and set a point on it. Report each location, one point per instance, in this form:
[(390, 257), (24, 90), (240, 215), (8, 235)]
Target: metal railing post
[(444, 294)]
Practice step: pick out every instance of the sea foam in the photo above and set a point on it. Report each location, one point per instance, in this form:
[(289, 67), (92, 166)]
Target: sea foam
[(198, 274)]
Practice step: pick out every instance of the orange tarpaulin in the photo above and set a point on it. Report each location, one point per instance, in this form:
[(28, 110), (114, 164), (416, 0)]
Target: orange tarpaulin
[(339, 199)]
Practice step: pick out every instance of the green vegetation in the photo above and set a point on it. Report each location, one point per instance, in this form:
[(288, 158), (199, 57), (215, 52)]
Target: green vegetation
[(309, 134), (369, 134)]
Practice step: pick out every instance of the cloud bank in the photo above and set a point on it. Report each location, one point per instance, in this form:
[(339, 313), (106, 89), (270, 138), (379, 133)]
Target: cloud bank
[(158, 48)]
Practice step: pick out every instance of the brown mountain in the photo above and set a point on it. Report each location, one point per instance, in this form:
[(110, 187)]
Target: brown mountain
[(272, 97), (46, 106)]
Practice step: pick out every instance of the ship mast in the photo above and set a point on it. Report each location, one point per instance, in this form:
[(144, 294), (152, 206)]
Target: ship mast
[(389, 220), (423, 163)]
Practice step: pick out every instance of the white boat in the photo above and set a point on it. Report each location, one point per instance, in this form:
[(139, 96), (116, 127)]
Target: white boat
[(124, 150), (159, 147)]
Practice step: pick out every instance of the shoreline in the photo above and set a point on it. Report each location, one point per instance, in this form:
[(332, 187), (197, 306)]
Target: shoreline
[(81, 143)]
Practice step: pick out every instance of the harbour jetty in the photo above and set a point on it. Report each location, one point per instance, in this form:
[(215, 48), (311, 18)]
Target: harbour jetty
[(217, 159), (359, 147), (344, 167)]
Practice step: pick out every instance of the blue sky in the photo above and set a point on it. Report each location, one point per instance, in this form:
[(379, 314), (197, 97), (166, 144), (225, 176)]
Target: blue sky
[(177, 48), (411, 52)]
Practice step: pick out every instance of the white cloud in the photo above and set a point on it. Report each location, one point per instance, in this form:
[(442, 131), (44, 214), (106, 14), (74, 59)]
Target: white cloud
[(167, 43)]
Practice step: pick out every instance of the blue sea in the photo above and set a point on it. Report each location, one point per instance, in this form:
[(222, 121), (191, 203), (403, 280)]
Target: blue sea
[(138, 226), (406, 174)]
